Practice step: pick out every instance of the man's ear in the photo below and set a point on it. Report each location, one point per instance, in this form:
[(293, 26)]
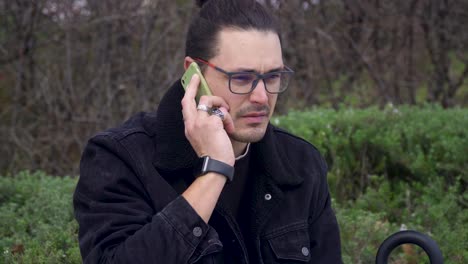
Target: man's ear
[(187, 61)]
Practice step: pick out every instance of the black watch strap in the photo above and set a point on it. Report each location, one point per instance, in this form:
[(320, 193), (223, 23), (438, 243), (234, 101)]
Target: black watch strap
[(211, 165)]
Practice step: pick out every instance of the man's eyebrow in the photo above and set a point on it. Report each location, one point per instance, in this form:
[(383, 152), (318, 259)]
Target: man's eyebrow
[(244, 70), (276, 69), (254, 71)]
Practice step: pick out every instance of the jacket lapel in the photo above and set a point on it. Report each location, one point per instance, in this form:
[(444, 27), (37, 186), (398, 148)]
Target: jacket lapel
[(272, 173)]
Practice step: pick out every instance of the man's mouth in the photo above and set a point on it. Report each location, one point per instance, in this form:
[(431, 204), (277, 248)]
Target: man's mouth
[(255, 114), (255, 117)]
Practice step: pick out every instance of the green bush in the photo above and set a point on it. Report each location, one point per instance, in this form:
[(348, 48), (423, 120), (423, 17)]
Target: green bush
[(37, 226), (405, 143), (435, 209), (419, 155), (388, 168), (36, 219), (361, 233)]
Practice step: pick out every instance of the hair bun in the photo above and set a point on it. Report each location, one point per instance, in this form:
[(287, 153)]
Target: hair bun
[(200, 3)]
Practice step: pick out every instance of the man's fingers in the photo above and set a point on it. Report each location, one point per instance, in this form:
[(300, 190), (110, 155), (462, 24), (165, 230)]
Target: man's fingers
[(192, 88), (228, 123), (213, 101), (189, 106), (188, 102)]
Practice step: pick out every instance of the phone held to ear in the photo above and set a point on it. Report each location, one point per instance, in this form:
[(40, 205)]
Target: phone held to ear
[(203, 89)]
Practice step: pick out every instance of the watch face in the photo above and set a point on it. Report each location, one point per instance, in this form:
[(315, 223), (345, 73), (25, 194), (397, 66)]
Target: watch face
[(199, 168), (206, 164)]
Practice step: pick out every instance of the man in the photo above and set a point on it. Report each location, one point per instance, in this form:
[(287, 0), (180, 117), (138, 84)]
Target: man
[(211, 182)]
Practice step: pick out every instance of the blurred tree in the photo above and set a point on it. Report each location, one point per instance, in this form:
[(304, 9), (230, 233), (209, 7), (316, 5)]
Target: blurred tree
[(376, 52), (69, 68)]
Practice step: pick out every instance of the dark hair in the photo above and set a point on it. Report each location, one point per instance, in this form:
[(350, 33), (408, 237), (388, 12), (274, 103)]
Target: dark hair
[(216, 15)]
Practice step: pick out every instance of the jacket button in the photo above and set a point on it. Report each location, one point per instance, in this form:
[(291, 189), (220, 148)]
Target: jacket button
[(268, 197), (305, 251), (197, 231)]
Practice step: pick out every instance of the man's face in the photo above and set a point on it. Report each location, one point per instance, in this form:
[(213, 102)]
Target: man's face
[(250, 50)]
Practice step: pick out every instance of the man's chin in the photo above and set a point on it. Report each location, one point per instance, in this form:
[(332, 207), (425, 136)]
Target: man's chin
[(249, 135)]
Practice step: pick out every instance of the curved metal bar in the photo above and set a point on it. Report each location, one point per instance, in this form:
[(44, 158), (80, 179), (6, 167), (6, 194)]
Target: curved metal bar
[(409, 237)]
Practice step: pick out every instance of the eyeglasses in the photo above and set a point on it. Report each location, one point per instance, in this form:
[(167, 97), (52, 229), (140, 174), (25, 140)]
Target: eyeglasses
[(245, 82)]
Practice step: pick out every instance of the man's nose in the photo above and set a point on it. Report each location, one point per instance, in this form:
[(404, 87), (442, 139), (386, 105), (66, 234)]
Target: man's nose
[(259, 94)]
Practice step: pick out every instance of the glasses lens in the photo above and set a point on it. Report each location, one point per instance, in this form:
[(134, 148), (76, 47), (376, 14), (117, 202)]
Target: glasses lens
[(277, 82), (285, 78), (242, 82)]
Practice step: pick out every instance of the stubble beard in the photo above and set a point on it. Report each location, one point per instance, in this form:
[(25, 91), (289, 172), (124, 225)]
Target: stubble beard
[(250, 134), (253, 132)]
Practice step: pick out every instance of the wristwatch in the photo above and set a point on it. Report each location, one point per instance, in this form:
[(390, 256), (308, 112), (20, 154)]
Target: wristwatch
[(207, 164)]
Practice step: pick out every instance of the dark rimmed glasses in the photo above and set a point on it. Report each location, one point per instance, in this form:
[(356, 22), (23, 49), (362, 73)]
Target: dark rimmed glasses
[(245, 82)]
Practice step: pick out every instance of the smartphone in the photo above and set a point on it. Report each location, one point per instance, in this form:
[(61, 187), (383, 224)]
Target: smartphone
[(203, 88)]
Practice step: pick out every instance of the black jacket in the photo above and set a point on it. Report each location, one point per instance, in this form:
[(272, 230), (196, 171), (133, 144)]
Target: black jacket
[(129, 208)]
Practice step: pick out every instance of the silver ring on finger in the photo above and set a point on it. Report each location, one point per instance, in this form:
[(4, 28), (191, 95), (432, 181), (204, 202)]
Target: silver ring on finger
[(204, 108), (215, 111)]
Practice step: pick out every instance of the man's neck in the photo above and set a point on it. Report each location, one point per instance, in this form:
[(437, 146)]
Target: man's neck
[(238, 147)]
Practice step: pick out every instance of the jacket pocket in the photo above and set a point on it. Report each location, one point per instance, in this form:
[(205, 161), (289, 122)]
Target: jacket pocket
[(290, 244)]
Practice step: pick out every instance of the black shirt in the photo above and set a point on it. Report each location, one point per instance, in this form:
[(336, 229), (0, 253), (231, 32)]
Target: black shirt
[(234, 191), (234, 197)]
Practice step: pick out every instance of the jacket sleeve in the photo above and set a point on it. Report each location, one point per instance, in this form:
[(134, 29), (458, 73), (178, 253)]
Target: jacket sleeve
[(117, 219), (323, 226)]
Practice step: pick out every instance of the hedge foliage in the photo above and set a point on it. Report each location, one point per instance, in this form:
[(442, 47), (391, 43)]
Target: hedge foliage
[(37, 226), (36, 219), (404, 143), (434, 209), (388, 168)]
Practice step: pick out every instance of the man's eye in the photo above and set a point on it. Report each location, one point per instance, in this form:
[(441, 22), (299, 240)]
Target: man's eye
[(244, 78), (273, 77)]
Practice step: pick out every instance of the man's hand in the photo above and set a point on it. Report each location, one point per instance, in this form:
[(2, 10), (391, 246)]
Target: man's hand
[(208, 134)]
